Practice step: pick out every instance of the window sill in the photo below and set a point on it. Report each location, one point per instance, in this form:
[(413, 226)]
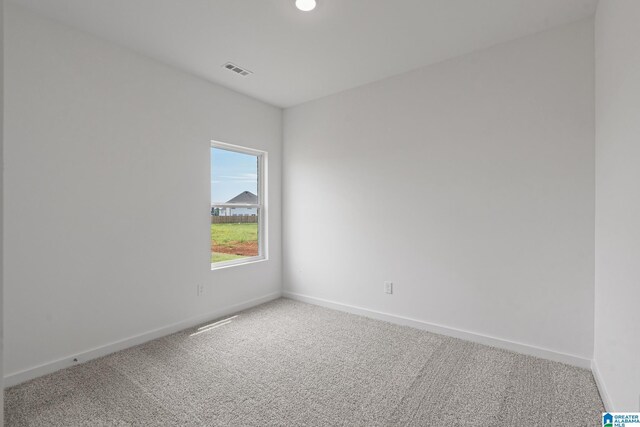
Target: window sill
[(237, 263)]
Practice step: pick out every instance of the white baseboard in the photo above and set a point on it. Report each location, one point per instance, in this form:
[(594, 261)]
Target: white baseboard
[(543, 353), (601, 388), (65, 362)]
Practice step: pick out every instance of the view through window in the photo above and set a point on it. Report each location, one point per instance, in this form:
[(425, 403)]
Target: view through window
[(236, 204)]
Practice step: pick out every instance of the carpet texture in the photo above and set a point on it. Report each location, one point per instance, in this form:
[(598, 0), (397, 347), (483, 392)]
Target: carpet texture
[(287, 363)]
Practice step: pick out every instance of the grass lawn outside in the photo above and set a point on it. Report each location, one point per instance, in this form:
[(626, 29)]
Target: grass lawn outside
[(233, 241), (220, 257)]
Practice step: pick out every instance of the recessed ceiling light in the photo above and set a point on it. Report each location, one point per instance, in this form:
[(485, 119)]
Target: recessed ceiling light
[(306, 5)]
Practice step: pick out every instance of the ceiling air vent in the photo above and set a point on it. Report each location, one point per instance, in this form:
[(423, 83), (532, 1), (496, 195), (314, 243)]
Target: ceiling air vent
[(239, 70)]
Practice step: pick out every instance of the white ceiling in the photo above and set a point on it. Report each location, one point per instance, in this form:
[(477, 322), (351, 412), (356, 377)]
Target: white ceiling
[(299, 56)]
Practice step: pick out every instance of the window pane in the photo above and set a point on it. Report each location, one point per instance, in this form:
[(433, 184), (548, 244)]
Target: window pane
[(234, 237), (234, 177), (234, 230)]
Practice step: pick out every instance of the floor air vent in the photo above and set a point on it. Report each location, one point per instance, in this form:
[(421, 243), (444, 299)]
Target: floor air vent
[(239, 70)]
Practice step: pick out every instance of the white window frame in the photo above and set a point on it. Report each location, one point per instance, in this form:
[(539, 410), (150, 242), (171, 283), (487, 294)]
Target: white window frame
[(261, 206)]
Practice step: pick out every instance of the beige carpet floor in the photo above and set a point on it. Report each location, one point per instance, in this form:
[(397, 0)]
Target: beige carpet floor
[(287, 363)]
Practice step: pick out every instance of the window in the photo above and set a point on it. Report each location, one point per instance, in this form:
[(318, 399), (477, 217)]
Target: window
[(238, 213)]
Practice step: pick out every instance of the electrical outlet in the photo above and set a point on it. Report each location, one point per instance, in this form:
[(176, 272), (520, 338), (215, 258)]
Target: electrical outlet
[(388, 287), (200, 290)]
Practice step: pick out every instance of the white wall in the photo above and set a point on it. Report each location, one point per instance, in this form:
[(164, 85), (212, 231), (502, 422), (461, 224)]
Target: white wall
[(107, 193), (469, 184), (617, 320)]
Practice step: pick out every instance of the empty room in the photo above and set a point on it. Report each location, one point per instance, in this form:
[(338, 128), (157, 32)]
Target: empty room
[(320, 213)]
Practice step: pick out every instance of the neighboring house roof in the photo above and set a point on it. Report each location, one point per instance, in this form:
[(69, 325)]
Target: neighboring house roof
[(245, 197)]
